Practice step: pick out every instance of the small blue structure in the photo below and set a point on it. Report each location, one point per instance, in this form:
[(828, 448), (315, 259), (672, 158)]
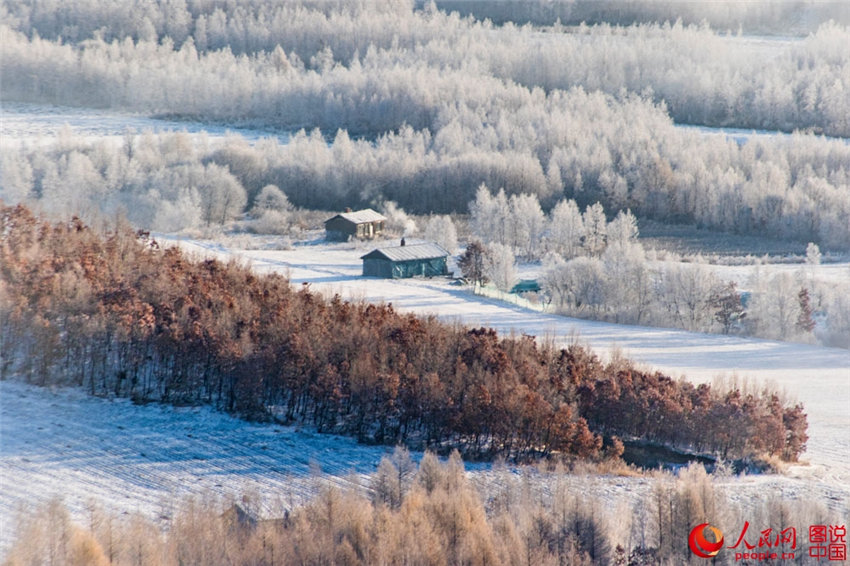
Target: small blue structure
[(526, 286)]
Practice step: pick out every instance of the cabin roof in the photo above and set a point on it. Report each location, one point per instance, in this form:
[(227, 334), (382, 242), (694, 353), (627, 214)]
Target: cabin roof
[(360, 216), (408, 253)]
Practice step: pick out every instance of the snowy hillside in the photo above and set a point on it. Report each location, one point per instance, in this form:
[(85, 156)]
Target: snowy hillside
[(147, 459)]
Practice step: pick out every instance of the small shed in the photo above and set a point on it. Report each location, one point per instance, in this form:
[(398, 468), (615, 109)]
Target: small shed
[(526, 286), (361, 224), (427, 260)]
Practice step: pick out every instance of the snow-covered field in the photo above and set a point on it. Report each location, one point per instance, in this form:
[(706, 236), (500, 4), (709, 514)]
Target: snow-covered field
[(743, 135), (148, 458), (36, 124)]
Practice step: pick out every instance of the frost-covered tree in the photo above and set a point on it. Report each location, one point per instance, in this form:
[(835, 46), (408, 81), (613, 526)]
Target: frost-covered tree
[(629, 291), (623, 229), (554, 281), (222, 196), (73, 185), (271, 211), (587, 282), (441, 229), (16, 177), (527, 225), (728, 306), (566, 229), (813, 255), (595, 229), (271, 198), (398, 221), (837, 304), (472, 263), (576, 286), (687, 294), (774, 307), (500, 266), (490, 216)]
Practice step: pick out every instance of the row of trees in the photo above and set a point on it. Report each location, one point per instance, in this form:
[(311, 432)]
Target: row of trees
[(123, 317), (160, 182), (520, 223), (789, 188), (627, 285), (593, 268), (430, 514), (802, 88)]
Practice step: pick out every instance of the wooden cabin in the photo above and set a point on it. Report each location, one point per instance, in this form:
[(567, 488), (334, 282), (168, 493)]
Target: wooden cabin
[(361, 224)]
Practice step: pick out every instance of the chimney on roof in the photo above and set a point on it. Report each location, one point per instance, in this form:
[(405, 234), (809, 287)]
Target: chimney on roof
[(402, 242), (348, 209)]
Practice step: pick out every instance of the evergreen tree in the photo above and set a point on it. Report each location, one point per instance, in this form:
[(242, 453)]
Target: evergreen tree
[(805, 322), (472, 263)]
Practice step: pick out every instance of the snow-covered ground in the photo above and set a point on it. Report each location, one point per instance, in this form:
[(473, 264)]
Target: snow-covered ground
[(743, 135), (36, 124), (148, 458)]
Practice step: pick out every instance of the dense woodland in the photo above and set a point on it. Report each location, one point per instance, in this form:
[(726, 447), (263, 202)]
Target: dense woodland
[(426, 515), (701, 78), (768, 17), (119, 315), (422, 106), (792, 188)]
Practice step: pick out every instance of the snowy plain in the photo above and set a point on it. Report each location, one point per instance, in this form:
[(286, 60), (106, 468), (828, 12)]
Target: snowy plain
[(23, 124)]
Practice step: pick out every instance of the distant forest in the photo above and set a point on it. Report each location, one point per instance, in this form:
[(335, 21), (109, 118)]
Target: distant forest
[(119, 315), (419, 106), (768, 17)]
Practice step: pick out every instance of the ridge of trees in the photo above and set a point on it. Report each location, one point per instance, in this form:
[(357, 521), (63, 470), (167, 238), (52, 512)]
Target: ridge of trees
[(120, 316)]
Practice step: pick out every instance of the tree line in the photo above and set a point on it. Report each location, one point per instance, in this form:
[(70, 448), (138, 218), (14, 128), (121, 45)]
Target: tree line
[(426, 514), (785, 188), (778, 17), (595, 268), (729, 87), (118, 315)]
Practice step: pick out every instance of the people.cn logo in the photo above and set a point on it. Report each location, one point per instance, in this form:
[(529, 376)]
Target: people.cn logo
[(700, 545)]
